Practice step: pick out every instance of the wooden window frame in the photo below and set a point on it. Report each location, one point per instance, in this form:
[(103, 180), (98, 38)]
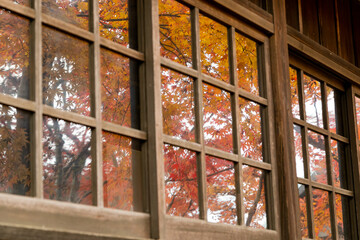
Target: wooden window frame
[(24, 217), (303, 67)]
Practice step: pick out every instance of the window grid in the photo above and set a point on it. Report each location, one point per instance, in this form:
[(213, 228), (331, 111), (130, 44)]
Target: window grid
[(35, 105), (199, 145), (307, 182)]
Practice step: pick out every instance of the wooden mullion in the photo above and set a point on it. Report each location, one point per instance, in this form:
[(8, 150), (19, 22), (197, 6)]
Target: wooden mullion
[(69, 116), (68, 28), (37, 169), (326, 123), (182, 143), (195, 34), (19, 9), (308, 175), (154, 119), (95, 81), (310, 211), (220, 154), (252, 97), (23, 104), (125, 131), (332, 206), (218, 83), (115, 47), (178, 67), (235, 125), (301, 95)]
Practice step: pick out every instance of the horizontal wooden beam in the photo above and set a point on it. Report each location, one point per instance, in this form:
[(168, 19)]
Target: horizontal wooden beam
[(178, 228), (56, 219)]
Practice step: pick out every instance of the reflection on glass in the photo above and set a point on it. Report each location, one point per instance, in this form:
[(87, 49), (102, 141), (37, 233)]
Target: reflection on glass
[(338, 163), (250, 130), (118, 21), (294, 92), (71, 11), (247, 68), (181, 185), (342, 216), (119, 89), (214, 49), (177, 95), (65, 72), (313, 101), (334, 110), (298, 152), (14, 151), (357, 105), (66, 161), (217, 118), (220, 178), (14, 57), (322, 225), (175, 31), (303, 211), (254, 197), (317, 157), (120, 154)]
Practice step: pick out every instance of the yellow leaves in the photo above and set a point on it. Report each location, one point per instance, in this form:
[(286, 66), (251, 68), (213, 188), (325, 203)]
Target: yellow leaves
[(83, 6)]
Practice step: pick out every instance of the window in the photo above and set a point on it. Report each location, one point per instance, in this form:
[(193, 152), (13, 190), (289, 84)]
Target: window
[(215, 111), (322, 155)]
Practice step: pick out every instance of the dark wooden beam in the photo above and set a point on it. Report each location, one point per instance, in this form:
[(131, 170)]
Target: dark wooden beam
[(287, 186)]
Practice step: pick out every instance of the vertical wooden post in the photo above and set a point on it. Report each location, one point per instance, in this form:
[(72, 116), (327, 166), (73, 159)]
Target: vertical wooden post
[(154, 119), (96, 138), (288, 192), (36, 89)]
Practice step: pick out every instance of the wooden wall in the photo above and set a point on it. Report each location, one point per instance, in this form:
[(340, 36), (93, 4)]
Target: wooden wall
[(335, 24)]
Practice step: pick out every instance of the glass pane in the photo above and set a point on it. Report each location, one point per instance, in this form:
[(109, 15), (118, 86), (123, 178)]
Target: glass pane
[(322, 225), (254, 197), (14, 57), (214, 49), (313, 101), (299, 159), (338, 163), (65, 72), (357, 105), (121, 155), (342, 216), (118, 21), (71, 11), (247, 68), (14, 151), (66, 161), (119, 89), (181, 185), (220, 178), (334, 110), (250, 130), (303, 211), (175, 32), (217, 118), (295, 103), (177, 95), (317, 157)]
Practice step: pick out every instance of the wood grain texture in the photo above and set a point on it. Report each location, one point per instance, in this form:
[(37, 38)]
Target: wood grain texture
[(287, 186), (310, 21), (327, 24)]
